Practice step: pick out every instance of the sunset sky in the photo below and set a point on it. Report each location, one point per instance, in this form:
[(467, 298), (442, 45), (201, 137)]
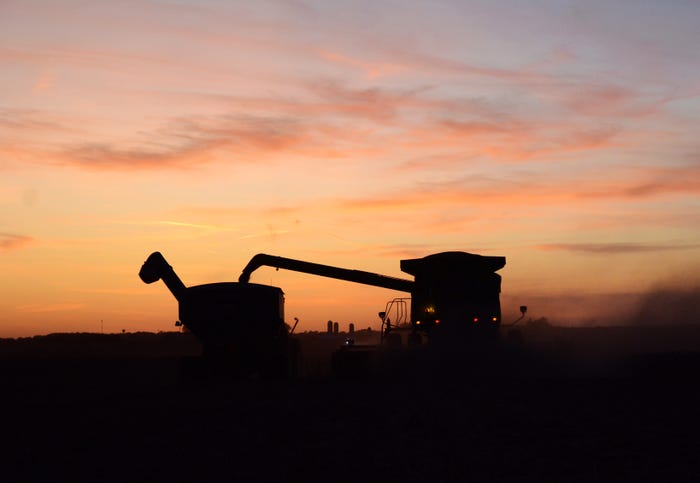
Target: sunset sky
[(563, 135)]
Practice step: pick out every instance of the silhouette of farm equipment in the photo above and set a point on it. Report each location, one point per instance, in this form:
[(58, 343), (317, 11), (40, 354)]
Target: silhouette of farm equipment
[(240, 325), (454, 296)]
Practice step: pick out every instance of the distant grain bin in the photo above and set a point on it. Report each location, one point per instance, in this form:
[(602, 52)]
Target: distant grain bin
[(351, 328), (330, 326), (335, 327)]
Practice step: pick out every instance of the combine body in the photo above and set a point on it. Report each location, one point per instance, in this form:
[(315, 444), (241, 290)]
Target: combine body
[(453, 292)]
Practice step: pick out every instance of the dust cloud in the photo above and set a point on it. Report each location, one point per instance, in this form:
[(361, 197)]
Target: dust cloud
[(667, 307), (660, 306)]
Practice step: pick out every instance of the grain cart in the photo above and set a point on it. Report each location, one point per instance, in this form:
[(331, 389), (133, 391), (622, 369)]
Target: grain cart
[(240, 325)]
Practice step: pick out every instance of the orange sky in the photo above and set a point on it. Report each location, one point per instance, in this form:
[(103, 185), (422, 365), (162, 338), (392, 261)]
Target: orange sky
[(562, 136)]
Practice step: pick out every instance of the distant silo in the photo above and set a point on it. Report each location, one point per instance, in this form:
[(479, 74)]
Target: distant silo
[(351, 328), (335, 327), (330, 326)]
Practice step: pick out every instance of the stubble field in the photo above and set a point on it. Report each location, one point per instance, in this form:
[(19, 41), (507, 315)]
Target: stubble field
[(565, 405)]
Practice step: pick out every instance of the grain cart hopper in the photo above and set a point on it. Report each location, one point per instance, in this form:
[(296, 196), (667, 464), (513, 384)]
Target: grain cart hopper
[(240, 325)]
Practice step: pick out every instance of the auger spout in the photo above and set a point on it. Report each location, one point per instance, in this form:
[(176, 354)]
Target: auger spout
[(357, 276), (156, 268)]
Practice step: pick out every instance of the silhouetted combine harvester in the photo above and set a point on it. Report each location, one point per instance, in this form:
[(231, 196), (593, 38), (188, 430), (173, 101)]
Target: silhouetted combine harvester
[(455, 300)]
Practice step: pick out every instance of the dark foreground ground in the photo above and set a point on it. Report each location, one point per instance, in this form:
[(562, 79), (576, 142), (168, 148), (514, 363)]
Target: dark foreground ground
[(541, 411)]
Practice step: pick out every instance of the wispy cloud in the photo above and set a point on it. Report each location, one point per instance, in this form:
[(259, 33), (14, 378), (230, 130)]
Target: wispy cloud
[(44, 82), (47, 308), (371, 70), (607, 100), (77, 57), (271, 233), (410, 250), (371, 103), (189, 142), (505, 138), (9, 241), (331, 119), (420, 61), (616, 248), (644, 183), (630, 184), (195, 225), (98, 156), (30, 120)]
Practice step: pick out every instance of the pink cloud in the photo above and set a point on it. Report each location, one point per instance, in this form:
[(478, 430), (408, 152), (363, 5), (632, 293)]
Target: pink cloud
[(371, 70), (372, 103), (30, 120), (647, 182), (506, 138), (194, 141), (605, 100), (614, 248), (421, 62), (9, 241), (332, 120), (618, 184)]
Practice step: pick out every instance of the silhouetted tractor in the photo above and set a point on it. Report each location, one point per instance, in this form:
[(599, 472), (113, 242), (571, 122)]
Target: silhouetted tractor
[(455, 296)]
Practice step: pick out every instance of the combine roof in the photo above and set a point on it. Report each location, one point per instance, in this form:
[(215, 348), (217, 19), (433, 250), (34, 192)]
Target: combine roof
[(450, 262)]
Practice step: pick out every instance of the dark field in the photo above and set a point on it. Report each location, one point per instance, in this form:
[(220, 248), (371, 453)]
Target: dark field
[(563, 405)]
